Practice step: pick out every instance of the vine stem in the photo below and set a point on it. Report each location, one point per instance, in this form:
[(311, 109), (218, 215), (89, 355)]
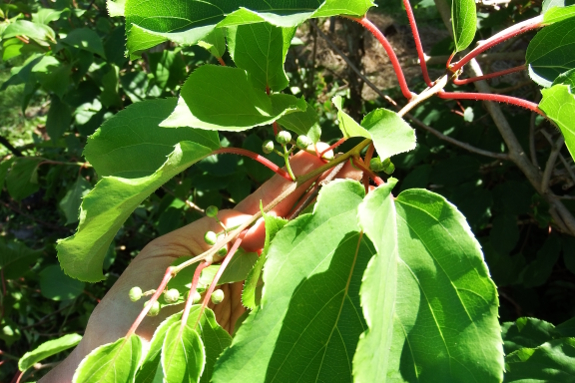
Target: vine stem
[(193, 288), (519, 68), (359, 163), (338, 143), (418, 44), (167, 276), (427, 93), (505, 34), (219, 273), (367, 24), (259, 158), (492, 97)]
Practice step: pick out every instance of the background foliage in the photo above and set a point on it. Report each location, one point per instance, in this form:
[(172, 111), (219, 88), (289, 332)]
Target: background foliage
[(71, 75)]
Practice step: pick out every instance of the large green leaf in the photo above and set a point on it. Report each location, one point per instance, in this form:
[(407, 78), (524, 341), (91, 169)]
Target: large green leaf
[(39, 32), (440, 299), (131, 144), (85, 39), (551, 52), (525, 332), (108, 205), (59, 118), (260, 49), (557, 14), (391, 135), (558, 103), (552, 362), (56, 285), (48, 349), (309, 321), (188, 21), (464, 22), (111, 363), (222, 98), (22, 179)]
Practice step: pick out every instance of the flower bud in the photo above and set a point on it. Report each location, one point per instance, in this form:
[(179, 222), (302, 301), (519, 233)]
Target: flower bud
[(135, 293), (283, 137), (210, 238), (303, 142), (268, 147), (217, 297), (212, 211)]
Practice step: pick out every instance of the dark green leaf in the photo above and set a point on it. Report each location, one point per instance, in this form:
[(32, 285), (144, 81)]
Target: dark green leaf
[(306, 123), (71, 202), (525, 332), (22, 179), (16, 258), (86, 39), (504, 234), (59, 118), (56, 285)]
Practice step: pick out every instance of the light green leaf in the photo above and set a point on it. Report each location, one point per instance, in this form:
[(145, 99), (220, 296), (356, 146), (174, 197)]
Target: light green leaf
[(108, 205), (558, 103), (309, 320), (71, 202), (557, 14), (215, 42), (56, 285), (567, 78), (548, 4), (183, 355), (552, 362), (131, 144), (306, 123), (16, 258), (222, 98), (111, 363), (39, 32), (551, 52), (151, 364), (187, 22), (250, 297), (22, 179), (348, 126), (391, 135), (115, 7), (259, 49), (47, 349), (85, 39), (464, 23), (443, 305), (59, 118)]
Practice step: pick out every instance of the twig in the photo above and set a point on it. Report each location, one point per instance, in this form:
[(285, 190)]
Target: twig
[(551, 162), (465, 81), (190, 204), (566, 164), (10, 147), (532, 132)]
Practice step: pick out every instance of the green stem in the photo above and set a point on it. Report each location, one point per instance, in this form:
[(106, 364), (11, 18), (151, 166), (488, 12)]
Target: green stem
[(288, 165)]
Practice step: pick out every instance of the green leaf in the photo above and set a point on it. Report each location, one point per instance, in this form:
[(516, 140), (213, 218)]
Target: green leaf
[(391, 135), (565, 329), (306, 123), (151, 364), (436, 292), (464, 23), (187, 22), (309, 320), (109, 204), (222, 98), (56, 285), (183, 355), (16, 258), (47, 349), (259, 49), (215, 42), (53, 75), (504, 234), (22, 180), (551, 52), (111, 363), (85, 39), (71, 202), (347, 125), (47, 15), (557, 14), (553, 361), (115, 7), (538, 271), (566, 78), (548, 4), (59, 118), (250, 297), (22, 74), (558, 103), (38, 32), (131, 144), (525, 332)]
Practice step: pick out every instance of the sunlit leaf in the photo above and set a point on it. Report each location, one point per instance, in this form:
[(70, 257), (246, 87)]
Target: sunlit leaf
[(464, 22), (558, 103), (48, 349)]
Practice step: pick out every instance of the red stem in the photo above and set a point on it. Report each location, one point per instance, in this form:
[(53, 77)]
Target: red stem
[(276, 128), (378, 181), (417, 40), (448, 63), (254, 156), (492, 97), (338, 143), (221, 270), (505, 34), (167, 276), (221, 61), (190, 300), (390, 52), (488, 76), (368, 156)]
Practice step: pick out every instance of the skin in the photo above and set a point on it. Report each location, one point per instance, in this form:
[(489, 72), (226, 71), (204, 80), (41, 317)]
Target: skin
[(148, 268)]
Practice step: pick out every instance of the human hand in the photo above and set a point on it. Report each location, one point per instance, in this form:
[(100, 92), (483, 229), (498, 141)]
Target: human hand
[(114, 315)]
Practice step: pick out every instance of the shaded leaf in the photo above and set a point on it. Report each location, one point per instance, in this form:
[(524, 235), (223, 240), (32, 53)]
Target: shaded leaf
[(525, 333), (85, 39), (306, 123), (22, 179), (59, 118), (16, 258), (56, 285)]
